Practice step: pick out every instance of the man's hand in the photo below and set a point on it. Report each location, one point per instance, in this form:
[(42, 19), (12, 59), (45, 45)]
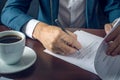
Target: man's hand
[(56, 40), (113, 40)]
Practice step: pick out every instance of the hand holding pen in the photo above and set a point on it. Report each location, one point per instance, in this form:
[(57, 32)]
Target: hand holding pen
[(69, 33), (56, 39)]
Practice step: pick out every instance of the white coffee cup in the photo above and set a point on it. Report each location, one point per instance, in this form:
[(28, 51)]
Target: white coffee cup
[(11, 52)]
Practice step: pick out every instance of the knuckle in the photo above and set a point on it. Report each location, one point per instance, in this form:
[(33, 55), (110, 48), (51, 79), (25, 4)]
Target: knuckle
[(58, 31), (53, 42)]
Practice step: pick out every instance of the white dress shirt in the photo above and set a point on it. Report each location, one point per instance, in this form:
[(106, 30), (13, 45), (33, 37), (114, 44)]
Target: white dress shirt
[(71, 14)]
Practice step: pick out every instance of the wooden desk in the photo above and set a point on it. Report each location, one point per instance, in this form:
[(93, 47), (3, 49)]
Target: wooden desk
[(48, 67)]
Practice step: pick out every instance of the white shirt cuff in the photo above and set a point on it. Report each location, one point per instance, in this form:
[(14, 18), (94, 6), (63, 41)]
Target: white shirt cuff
[(29, 27)]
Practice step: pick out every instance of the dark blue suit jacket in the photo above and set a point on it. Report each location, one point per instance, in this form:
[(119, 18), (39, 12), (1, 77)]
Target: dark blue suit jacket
[(98, 12)]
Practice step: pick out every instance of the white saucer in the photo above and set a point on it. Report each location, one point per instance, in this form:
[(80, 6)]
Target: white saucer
[(29, 57)]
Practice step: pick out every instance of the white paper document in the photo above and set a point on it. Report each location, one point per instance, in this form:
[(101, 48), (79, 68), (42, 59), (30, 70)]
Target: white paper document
[(84, 58)]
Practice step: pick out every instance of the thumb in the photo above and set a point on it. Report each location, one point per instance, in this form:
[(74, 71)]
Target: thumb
[(108, 28)]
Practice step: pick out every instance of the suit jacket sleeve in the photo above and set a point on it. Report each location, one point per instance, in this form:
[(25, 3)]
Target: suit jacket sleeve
[(14, 14), (112, 9)]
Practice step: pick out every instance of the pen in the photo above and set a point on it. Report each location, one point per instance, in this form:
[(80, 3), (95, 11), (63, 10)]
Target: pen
[(62, 27)]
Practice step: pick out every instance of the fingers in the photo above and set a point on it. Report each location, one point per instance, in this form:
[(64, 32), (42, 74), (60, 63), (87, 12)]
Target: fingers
[(66, 49), (113, 40), (114, 47), (67, 44), (113, 35), (71, 42), (111, 48), (116, 51)]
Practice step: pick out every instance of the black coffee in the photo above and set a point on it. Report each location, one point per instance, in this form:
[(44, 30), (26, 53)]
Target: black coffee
[(9, 39)]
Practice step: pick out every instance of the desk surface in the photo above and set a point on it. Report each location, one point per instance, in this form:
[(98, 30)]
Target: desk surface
[(48, 67)]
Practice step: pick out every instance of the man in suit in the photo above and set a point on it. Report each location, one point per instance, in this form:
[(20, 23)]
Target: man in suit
[(70, 13)]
